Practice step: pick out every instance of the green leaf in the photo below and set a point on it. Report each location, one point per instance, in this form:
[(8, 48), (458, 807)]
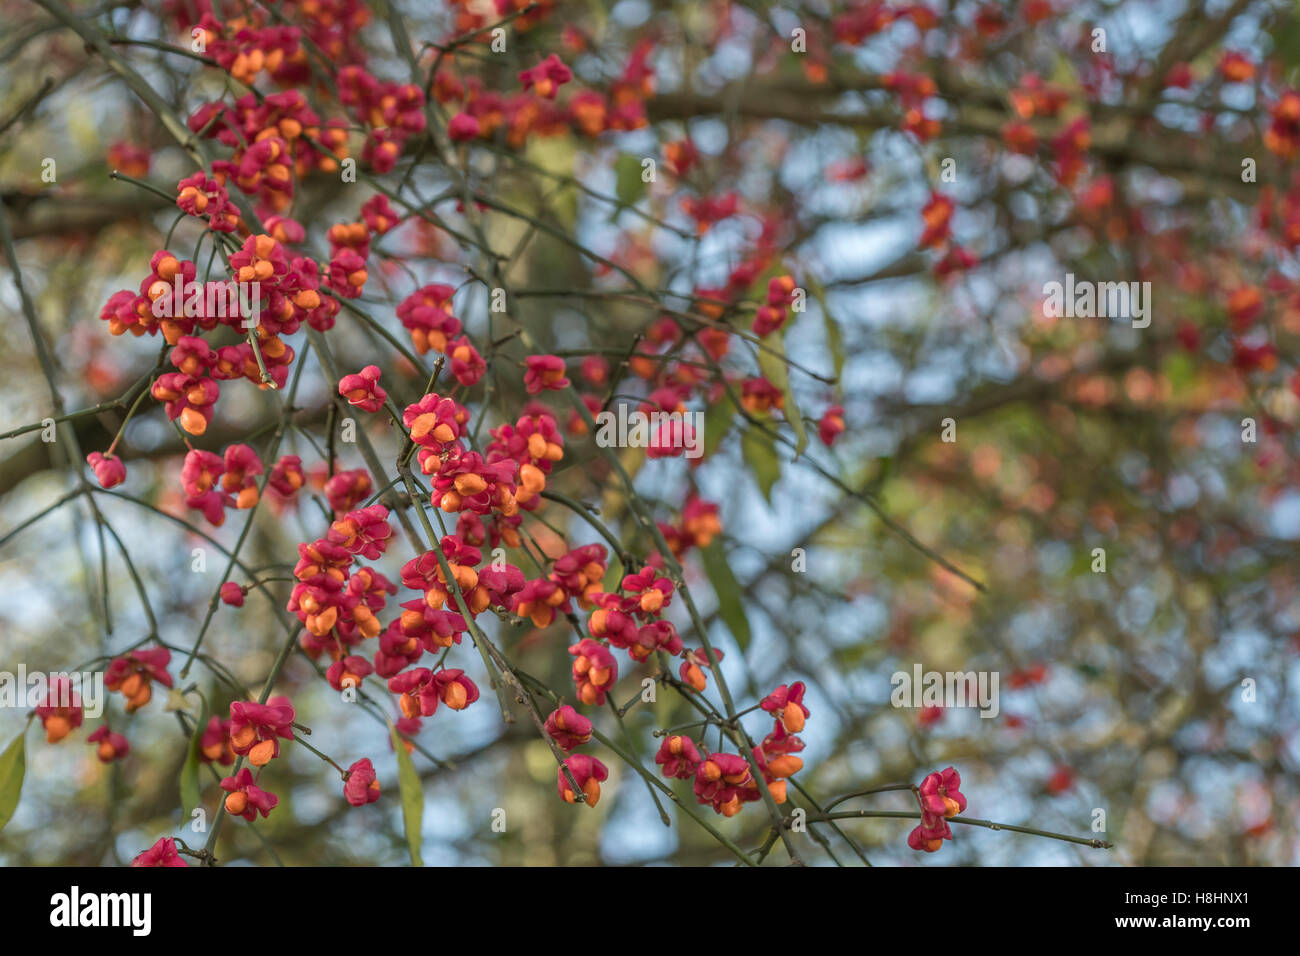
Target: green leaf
[(718, 418), (13, 765), (191, 792), (632, 459), (1181, 372), (776, 371), (1286, 43), (834, 338), (760, 454), (630, 186), (614, 574), (408, 782), (727, 588)]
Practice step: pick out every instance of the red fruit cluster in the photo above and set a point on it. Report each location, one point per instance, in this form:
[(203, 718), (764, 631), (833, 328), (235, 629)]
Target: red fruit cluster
[(771, 316), (213, 482), (134, 673), (940, 800), (268, 142), (536, 111), (257, 729), (274, 142), (698, 526), (725, 781), (338, 604), (60, 711)]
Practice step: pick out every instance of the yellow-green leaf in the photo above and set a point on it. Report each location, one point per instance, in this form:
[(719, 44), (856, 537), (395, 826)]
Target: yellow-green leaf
[(630, 186), (717, 422), (408, 782), (834, 338), (776, 371), (727, 588), (760, 454), (191, 792), (13, 765)]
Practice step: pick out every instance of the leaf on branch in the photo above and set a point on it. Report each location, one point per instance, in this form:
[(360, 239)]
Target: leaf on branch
[(760, 454), (408, 782), (13, 766), (718, 418), (191, 791), (630, 187), (776, 371), (727, 588), (834, 337), (632, 459)]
